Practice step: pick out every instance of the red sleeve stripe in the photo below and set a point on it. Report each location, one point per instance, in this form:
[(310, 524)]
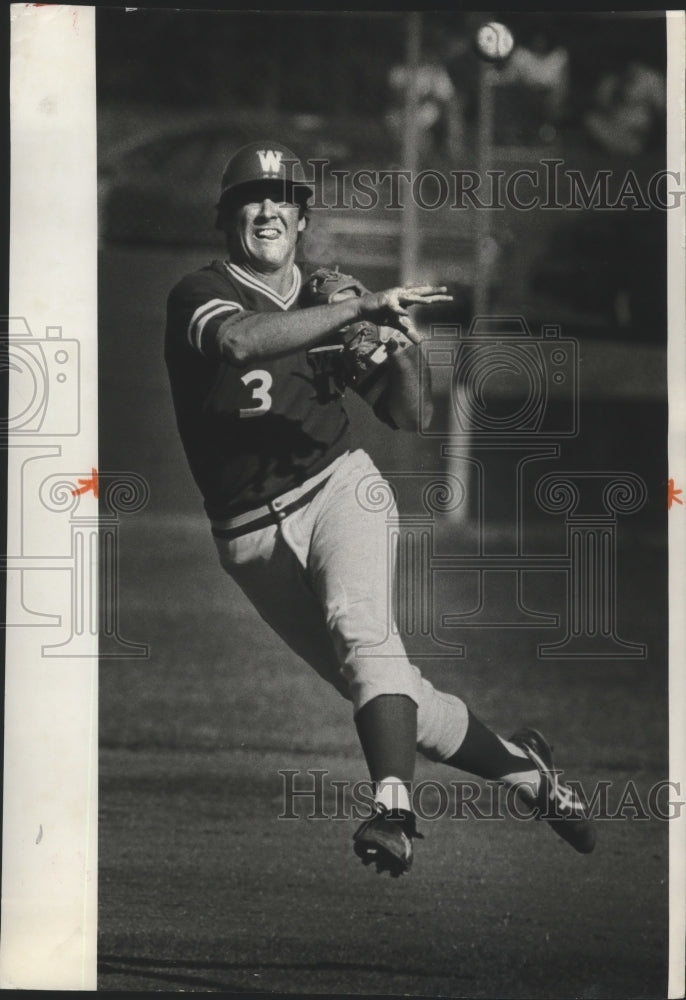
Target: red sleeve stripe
[(204, 313)]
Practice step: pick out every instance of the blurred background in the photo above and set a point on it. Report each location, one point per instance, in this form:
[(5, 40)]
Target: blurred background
[(179, 91), (218, 705)]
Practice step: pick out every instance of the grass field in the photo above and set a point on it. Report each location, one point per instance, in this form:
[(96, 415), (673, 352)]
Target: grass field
[(204, 888)]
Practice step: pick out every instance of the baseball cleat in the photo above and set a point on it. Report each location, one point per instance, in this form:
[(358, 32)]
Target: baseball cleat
[(556, 802), (386, 840)]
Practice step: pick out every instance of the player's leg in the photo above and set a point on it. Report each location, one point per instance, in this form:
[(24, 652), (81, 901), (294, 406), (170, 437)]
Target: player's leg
[(349, 569), (344, 629), (273, 570), (344, 550), (347, 542), (448, 731), (271, 577), (351, 566)]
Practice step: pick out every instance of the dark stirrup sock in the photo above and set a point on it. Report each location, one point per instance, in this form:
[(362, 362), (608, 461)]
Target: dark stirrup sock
[(485, 754), (387, 729)]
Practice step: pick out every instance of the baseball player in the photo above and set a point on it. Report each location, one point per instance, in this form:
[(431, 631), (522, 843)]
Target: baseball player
[(267, 438)]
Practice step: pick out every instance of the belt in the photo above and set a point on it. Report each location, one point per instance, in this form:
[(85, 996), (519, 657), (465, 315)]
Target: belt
[(273, 512)]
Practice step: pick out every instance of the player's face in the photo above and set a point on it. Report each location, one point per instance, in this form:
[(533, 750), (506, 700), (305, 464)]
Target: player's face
[(265, 229)]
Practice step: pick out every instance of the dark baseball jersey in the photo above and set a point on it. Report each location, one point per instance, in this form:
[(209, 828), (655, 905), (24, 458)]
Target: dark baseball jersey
[(253, 432)]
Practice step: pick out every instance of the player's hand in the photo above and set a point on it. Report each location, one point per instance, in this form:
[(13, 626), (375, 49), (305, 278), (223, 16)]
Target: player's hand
[(389, 308)]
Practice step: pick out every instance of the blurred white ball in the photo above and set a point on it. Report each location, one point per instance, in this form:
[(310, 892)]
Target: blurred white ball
[(494, 42)]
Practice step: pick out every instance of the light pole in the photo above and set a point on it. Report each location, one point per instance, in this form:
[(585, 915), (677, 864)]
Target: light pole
[(409, 232), (484, 158)]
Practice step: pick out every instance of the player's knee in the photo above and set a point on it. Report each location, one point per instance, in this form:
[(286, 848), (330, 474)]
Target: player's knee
[(441, 723), (369, 677)]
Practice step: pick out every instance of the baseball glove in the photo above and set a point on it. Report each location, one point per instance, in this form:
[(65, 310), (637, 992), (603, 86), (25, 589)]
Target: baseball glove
[(357, 354), (328, 284)]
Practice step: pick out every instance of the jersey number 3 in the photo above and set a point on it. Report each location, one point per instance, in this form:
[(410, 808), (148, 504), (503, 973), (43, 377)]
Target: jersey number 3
[(261, 383)]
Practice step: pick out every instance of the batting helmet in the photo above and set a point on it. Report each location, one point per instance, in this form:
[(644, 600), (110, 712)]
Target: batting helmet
[(259, 162)]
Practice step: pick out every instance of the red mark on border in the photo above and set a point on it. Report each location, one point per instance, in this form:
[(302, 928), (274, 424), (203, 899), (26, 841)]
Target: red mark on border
[(92, 484), (672, 494)]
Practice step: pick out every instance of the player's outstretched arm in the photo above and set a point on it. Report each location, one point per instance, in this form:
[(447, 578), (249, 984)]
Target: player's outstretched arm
[(247, 337)]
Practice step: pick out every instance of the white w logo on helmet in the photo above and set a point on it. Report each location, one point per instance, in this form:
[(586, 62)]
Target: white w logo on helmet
[(270, 160)]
